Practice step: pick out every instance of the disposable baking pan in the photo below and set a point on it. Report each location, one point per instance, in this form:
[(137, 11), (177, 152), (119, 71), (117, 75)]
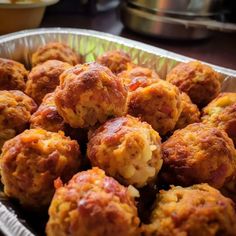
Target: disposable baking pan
[(14, 221)]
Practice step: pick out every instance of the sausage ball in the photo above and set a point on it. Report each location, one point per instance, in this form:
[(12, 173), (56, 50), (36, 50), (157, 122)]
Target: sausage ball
[(15, 112), (190, 113), (137, 76), (116, 61), (89, 94), (55, 51), (44, 78), (221, 113), (158, 103), (198, 154), (198, 80), (92, 204), (13, 75), (199, 210), (127, 149), (31, 161)]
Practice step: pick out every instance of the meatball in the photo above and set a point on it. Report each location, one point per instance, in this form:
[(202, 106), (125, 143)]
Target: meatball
[(127, 149), (92, 204), (137, 76), (116, 61), (55, 51), (44, 78), (199, 210), (190, 113), (31, 161), (15, 112), (198, 154), (221, 113), (13, 75), (89, 94), (198, 80), (158, 103)]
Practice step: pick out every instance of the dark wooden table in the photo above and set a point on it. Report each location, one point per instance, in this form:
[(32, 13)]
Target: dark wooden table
[(219, 49)]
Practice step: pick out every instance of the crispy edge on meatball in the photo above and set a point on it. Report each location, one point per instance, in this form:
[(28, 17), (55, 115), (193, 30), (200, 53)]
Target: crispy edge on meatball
[(198, 154), (56, 51), (31, 161), (92, 204), (89, 94), (199, 210), (159, 104), (117, 61), (190, 112), (198, 80), (15, 112), (44, 78), (13, 75), (127, 149)]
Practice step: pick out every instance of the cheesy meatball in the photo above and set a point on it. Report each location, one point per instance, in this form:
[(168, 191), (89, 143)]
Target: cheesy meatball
[(116, 61), (137, 76), (15, 112), (44, 78), (198, 154), (13, 75), (158, 103), (199, 210), (190, 113), (89, 94), (31, 161), (55, 51), (198, 80), (92, 204), (221, 113), (127, 149)]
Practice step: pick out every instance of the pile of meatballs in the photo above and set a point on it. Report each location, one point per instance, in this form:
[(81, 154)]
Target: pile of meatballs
[(108, 148)]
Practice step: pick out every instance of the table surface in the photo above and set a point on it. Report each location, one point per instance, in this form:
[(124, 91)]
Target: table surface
[(219, 49)]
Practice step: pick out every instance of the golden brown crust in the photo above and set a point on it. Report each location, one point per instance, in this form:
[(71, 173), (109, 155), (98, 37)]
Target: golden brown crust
[(92, 204), (13, 75), (199, 210), (126, 149), (15, 112), (116, 61), (190, 113), (221, 113), (159, 104), (198, 80), (89, 94), (198, 154), (44, 78), (31, 161), (56, 51)]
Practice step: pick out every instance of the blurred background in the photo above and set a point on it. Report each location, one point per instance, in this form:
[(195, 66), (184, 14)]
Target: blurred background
[(202, 29)]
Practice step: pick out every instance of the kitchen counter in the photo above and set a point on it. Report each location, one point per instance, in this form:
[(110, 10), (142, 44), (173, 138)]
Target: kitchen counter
[(219, 49)]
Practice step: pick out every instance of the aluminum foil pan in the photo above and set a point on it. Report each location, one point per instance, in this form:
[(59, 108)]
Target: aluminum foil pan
[(19, 46)]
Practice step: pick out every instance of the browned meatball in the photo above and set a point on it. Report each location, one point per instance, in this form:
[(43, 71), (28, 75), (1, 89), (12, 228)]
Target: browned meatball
[(190, 113), (116, 61), (199, 210), (55, 51), (44, 78), (31, 162), (92, 204), (158, 103), (13, 75), (89, 94), (15, 112), (198, 154), (221, 113), (198, 80), (127, 149)]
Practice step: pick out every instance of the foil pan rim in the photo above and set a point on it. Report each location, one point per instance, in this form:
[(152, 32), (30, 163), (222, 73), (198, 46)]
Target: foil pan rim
[(114, 38)]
